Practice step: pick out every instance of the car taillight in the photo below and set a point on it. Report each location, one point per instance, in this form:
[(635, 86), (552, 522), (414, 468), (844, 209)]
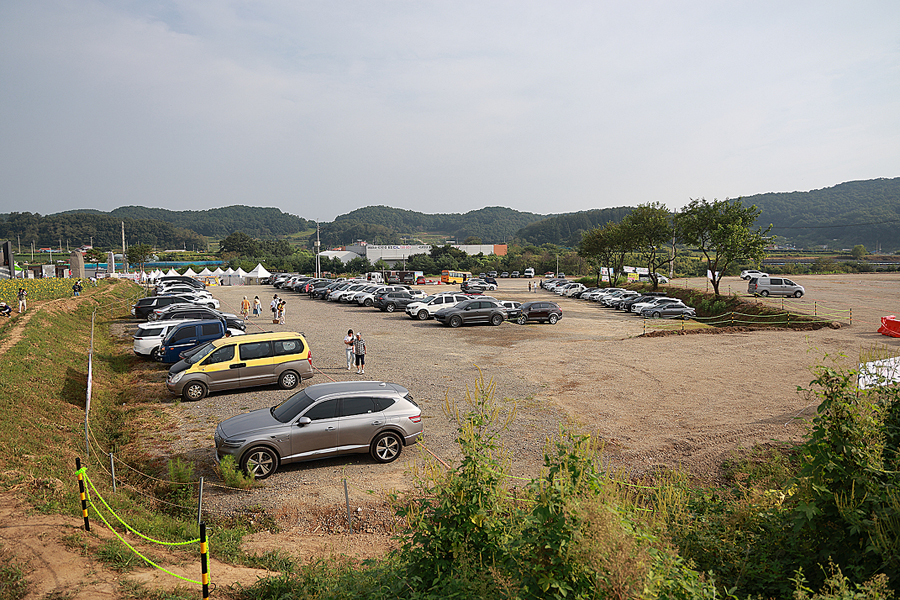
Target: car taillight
[(415, 418)]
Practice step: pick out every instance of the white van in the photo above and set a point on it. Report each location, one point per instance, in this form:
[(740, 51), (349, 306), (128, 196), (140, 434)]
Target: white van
[(529, 272), (375, 277)]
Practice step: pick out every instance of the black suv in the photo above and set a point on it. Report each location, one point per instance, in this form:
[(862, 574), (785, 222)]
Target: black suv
[(182, 312), (147, 305), (542, 311)]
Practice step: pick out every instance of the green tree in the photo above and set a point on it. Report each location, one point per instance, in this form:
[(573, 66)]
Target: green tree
[(858, 252), (239, 243), (721, 230), (650, 229), (94, 255), (138, 254), (606, 246)]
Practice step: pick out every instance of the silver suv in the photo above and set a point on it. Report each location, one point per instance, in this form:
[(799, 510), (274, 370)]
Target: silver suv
[(774, 286), (321, 421)]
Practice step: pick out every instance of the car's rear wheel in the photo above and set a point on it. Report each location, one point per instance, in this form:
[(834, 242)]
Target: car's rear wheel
[(553, 319), (423, 315), (260, 462), (656, 315), (797, 294), (521, 320), (455, 322), (288, 380), (386, 447), (193, 391), (390, 308), (764, 293), (496, 320)]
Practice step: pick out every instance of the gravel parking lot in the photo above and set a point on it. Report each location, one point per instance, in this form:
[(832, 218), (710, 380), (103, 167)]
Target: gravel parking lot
[(685, 400)]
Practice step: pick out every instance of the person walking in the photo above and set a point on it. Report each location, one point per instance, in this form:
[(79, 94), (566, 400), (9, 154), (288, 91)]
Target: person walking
[(22, 297), (529, 287), (348, 348), (274, 307), (257, 306), (245, 307), (359, 349)]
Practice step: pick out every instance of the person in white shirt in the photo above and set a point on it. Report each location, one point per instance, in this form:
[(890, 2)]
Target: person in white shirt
[(348, 346)]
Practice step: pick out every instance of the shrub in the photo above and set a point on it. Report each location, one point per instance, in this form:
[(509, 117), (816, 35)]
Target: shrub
[(232, 475)]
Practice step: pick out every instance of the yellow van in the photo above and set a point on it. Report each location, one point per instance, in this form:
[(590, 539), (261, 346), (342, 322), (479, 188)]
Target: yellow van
[(251, 360)]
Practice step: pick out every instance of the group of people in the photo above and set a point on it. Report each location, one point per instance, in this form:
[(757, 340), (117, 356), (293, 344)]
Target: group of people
[(22, 297), (356, 351), (277, 307), (246, 307), (77, 287)]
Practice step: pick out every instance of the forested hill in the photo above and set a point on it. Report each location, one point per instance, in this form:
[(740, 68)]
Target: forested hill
[(855, 212), (216, 223), (74, 230), (566, 229), (493, 224)]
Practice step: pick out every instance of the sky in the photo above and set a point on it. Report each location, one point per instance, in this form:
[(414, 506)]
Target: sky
[(322, 107)]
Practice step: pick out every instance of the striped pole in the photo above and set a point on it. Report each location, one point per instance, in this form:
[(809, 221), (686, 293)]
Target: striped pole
[(84, 512), (204, 561)]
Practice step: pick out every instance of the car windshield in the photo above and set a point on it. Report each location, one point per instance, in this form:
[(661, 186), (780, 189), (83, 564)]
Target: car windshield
[(293, 406), (428, 299), (200, 354)]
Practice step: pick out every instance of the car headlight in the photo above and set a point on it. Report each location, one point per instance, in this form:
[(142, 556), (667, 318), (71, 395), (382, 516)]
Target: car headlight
[(233, 443), (176, 377)]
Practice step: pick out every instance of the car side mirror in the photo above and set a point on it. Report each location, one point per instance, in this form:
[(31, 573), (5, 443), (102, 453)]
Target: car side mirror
[(303, 421)]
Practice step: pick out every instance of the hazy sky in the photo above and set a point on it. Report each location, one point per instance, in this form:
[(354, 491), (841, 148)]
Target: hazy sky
[(322, 107)]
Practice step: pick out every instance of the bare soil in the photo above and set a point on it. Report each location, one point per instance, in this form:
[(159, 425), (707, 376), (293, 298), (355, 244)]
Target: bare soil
[(676, 401)]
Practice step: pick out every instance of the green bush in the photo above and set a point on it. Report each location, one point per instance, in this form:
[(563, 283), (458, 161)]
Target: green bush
[(232, 474)]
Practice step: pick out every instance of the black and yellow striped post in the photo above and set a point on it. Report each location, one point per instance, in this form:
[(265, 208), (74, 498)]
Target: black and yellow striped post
[(204, 561), (84, 512)]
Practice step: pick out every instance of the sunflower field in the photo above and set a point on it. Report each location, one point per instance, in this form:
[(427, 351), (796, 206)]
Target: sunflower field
[(38, 289)]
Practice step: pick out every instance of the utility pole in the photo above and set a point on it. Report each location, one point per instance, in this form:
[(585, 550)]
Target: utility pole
[(318, 243)]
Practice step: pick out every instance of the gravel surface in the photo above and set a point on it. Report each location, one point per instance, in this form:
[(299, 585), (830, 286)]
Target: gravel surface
[(677, 401)]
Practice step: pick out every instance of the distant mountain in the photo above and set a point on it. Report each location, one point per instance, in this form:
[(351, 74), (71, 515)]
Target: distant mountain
[(217, 223), (566, 229), (855, 212), (493, 224)]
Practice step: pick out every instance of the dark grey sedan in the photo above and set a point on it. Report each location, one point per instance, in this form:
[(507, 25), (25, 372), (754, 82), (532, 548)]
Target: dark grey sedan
[(321, 421)]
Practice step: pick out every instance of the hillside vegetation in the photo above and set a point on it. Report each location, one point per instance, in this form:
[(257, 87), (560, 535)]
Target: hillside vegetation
[(855, 212)]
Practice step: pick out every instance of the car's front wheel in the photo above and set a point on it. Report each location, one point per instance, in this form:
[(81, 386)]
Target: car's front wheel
[(553, 319), (260, 462), (521, 320), (369, 302), (455, 321), (496, 320), (656, 315), (797, 294), (193, 391), (288, 380), (423, 315), (386, 447)]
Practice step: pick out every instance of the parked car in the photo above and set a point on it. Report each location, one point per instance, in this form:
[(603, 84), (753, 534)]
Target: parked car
[(187, 335), (751, 273), (513, 309), (321, 421), (480, 311), (774, 286), (426, 307), (514, 274), (248, 361), (541, 311), (180, 279), (368, 298), (504, 274), (573, 289), (391, 301), (645, 297), (197, 297), (477, 285), (657, 301), (492, 273), (669, 310), (181, 312), (144, 306)]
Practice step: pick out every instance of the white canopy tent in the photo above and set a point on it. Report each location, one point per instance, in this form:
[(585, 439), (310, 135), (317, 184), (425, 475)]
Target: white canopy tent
[(259, 272), (218, 271), (205, 272), (171, 272), (190, 273), (234, 278)]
